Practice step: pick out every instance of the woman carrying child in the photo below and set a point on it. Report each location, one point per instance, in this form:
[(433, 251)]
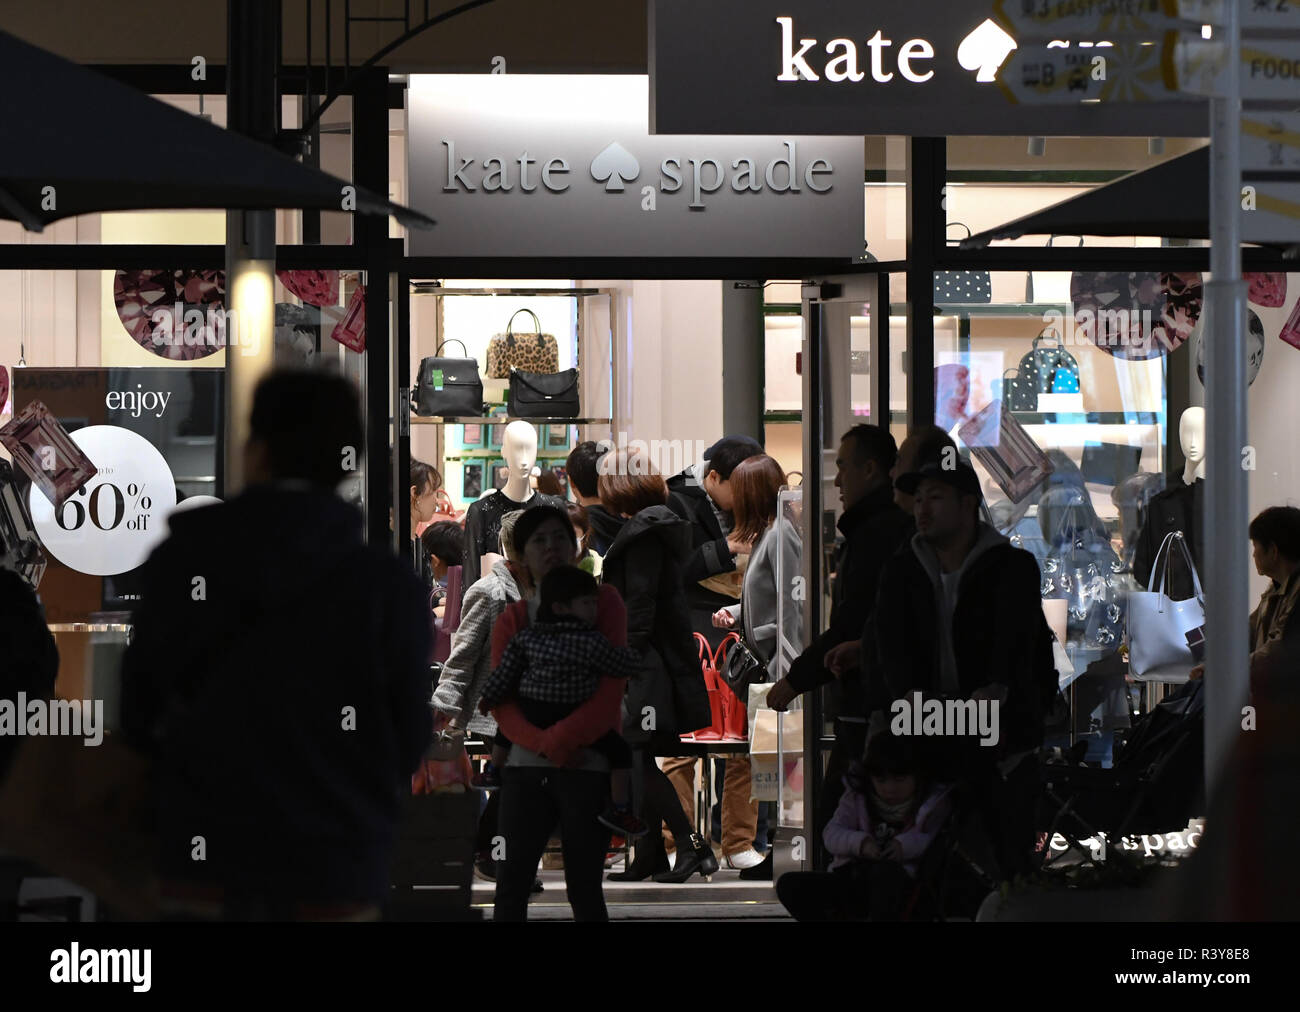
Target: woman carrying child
[(551, 774)]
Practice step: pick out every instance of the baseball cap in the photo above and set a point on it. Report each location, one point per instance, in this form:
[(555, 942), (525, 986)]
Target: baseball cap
[(960, 476)]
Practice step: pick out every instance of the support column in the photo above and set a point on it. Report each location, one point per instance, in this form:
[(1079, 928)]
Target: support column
[(742, 359), (252, 59), (1227, 663), (927, 171)]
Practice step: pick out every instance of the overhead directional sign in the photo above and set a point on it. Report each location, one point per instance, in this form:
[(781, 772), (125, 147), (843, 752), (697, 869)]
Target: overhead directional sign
[(1270, 142), (1086, 19), (1271, 212), (1118, 72), (1269, 68)]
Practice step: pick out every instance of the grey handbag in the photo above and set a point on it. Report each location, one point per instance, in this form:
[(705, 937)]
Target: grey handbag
[(1162, 632)]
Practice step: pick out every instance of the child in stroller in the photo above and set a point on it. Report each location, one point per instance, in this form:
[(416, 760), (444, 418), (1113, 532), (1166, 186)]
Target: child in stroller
[(889, 815)]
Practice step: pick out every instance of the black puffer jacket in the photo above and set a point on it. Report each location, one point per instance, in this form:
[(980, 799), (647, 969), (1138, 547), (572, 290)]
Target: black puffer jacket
[(288, 706), (645, 565), (29, 659)]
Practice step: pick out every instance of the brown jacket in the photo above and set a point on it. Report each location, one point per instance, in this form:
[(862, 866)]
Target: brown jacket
[(1277, 617)]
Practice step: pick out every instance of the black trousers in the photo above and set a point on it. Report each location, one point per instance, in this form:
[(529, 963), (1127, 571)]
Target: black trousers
[(533, 801), (865, 890), (850, 741)]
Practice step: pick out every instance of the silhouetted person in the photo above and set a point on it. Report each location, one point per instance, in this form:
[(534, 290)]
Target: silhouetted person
[(279, 676), (959, 617), (29, 660)]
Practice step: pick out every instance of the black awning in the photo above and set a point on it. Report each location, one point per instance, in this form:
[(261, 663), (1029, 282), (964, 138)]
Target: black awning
[(1171, 200), (104, 146)]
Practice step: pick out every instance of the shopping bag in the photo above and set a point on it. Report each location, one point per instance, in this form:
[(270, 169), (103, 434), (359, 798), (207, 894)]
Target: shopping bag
[(766, 765), (1161, 631), (83, 814), (709, 671), (442, 776)]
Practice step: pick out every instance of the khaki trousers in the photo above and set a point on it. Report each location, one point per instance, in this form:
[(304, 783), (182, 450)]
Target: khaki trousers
[(739, 814)]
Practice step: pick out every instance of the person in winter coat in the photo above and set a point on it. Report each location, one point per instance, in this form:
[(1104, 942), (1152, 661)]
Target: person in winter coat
[(467, 669), (887, 818), (551, 776), (773, 544), (959, 616), (582, 467), (666, 696), (279, 678), (29, 659)]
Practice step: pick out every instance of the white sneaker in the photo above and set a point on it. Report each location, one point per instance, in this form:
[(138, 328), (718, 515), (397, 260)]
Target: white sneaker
[(745, 859)]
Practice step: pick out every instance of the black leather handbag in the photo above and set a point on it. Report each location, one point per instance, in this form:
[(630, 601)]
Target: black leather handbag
[(543, 394), (448, 387), (743, 666)]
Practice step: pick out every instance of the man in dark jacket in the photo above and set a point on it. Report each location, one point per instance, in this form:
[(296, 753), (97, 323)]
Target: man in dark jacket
[(279, 676), (959, 617), (702, 496), (874, 528), (583, 469)]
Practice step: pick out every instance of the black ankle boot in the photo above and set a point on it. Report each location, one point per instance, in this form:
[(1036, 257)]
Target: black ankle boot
[(648, 861), (699, 857)]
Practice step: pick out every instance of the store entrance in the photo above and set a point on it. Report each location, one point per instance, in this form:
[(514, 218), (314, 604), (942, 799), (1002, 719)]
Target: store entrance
[(652, 371)]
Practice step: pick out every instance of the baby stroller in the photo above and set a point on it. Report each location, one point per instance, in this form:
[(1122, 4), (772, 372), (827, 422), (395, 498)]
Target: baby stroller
[(1156, 785), (958, 870)]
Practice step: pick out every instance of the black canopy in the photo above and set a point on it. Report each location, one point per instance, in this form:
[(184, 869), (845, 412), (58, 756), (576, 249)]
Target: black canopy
[(1171, 199), (104, 146)]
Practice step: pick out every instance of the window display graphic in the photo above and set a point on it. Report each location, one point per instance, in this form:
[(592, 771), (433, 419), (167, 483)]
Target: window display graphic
[(116, 519), (20, 550), (1136, 315), (153, 302), (1254, 349), (315, 288), (47, 454)]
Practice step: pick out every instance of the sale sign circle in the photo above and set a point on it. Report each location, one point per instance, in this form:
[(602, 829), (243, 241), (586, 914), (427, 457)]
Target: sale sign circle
[(112, 523)]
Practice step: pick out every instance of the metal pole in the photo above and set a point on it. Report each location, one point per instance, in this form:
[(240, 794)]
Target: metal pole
[(1226, 489), (252, 60)]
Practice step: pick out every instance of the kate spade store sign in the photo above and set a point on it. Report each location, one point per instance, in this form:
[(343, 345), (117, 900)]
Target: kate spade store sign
[(552, 166), (919, 68)]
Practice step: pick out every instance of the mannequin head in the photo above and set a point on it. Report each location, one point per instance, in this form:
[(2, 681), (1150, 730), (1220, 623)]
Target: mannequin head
[(1191, 436), (519, 450)]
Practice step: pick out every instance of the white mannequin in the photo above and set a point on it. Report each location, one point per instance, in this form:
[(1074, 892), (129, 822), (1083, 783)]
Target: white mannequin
[(519, 450), (1191, 436)]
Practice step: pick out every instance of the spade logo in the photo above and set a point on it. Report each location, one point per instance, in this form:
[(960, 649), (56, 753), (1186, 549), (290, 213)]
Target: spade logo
[(984, 49), (615, 166)]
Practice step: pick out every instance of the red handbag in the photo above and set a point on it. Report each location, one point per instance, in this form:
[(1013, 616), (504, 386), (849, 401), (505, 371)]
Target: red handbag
[(712, 683)]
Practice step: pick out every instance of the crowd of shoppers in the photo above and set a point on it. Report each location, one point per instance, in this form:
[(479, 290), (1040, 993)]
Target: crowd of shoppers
[(586, 686)]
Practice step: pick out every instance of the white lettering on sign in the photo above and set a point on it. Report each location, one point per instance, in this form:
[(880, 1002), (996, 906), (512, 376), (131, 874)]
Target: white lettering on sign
[(134, 402), (615, 165), (843, 64)]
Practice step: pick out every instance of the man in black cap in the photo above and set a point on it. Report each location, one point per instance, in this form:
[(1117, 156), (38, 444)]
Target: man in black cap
[(959, 617)]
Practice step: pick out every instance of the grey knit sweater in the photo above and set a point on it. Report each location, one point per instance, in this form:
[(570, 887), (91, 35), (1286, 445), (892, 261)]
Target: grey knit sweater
[(470, 662)]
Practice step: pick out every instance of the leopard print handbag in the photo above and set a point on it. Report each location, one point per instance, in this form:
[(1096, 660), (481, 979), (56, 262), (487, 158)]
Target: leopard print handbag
[(531, 352)]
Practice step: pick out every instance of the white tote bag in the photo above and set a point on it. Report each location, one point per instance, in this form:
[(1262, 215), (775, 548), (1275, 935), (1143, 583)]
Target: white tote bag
[(1157, 627)]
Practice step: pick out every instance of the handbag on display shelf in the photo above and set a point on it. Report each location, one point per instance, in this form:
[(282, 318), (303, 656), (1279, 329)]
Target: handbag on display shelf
[(1046, 369), (543, 395), (1162, 631), (445, 508), (535, 352), (1082, 569), (962, 287), (1049, 286), (1015, 461), (449, 387)]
